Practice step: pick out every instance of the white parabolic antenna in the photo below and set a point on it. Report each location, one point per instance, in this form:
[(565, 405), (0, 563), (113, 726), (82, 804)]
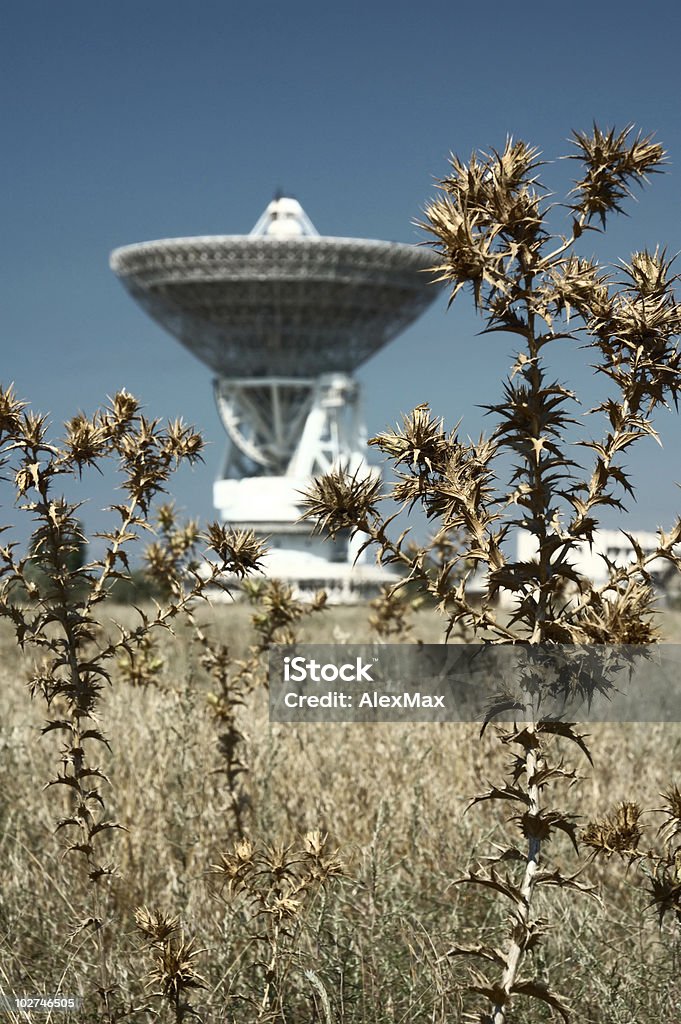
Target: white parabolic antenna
[(283, 316)]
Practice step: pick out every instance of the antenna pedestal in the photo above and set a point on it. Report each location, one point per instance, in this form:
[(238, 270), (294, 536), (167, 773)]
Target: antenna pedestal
[(283, 432)]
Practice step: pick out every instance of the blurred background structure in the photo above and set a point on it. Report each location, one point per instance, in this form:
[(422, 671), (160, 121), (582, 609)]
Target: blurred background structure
[(283, 317)]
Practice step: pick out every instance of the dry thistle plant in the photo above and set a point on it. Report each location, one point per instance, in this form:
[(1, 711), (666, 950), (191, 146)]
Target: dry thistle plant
[(393, 608), (492, 226), (390, 614), (277, 616), (142, 664), (54, 613), (275, 887), (277, 612), (168, 560), (621, 833), (231, 681), (173, 974)]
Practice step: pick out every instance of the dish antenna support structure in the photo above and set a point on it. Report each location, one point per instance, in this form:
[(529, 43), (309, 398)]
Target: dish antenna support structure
[(283, 317)]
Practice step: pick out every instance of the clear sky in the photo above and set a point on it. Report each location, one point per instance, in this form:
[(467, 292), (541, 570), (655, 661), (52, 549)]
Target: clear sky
[(143, 119)]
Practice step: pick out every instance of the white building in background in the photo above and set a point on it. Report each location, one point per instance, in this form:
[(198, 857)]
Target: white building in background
[(588, 559)]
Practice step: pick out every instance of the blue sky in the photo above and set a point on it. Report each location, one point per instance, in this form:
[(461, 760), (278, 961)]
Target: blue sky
[(138, 120)]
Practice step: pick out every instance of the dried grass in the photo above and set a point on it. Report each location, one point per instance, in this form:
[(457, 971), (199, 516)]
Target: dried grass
[(392, 799)]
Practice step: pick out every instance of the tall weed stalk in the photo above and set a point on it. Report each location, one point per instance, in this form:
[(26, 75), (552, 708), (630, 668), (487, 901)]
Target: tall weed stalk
[(54, 611), (493, 226)]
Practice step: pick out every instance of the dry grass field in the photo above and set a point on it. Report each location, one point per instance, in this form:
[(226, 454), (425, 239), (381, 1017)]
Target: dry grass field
[(167, 853), (369, 944)]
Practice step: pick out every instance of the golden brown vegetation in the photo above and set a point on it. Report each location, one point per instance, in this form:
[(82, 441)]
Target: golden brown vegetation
[(210, 865), (496, 233), (392, 800)]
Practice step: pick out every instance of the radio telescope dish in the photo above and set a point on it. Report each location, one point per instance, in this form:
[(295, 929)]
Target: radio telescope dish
[(281, 300)]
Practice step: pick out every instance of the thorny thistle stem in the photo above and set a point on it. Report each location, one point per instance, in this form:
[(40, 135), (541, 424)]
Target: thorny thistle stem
[(174, 973), (54, 613), (621, 832), (277, 615), (492, 230), (274, 885)]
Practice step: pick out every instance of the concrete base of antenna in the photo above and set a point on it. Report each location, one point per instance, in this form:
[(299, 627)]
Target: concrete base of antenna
[(284, 432)]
